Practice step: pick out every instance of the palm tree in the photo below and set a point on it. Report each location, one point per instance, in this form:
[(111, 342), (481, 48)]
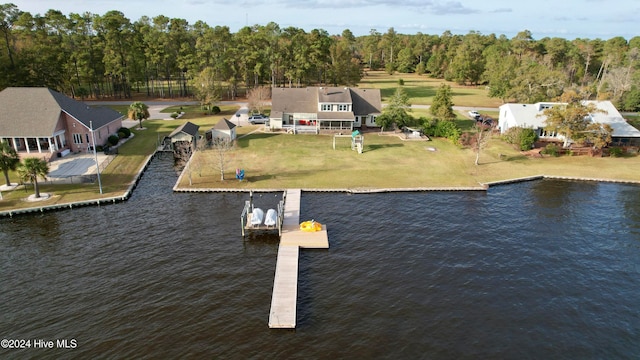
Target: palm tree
[(31, 169), (9, 159), (138, 111)]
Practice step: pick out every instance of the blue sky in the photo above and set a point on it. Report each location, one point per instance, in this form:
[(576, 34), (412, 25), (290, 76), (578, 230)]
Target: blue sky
[(569, 19)]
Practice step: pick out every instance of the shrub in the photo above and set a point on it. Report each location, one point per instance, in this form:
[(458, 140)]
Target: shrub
[(174, 115), (126, 131), (400, 81), (551, 149), (113, 140), (121, 135), (521, 137), (99, 148), (215, 110), (441, 128), (467, 140), (615, 151)]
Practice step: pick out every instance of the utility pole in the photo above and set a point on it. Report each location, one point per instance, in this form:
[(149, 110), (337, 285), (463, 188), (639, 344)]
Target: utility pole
[(95, 154)]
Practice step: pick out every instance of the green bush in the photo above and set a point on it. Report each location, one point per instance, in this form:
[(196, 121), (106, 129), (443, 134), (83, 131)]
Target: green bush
[(174, 115), (442, 128), (215, 110), (523, 138), (126, 131), (615, 151), (113, 140), (121, 135), (551, 149), (400, 81)]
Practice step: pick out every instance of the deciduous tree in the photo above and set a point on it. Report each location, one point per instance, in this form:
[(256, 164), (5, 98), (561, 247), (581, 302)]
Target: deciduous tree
[(570, 120), (258, 98)]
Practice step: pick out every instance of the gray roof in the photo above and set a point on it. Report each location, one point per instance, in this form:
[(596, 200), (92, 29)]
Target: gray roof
[(35, 111), (306, 100), (224, 124), (334, 95), (294, 100), (187, 128), (366, 101), (336, 115)]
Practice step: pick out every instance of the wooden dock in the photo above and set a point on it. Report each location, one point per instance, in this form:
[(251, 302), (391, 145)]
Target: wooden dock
[(285, 283)]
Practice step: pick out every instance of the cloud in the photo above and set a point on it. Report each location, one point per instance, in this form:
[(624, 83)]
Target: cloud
[(501, 10), (451, 7)]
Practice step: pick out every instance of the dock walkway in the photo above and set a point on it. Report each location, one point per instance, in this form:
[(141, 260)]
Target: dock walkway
[(285, 284)]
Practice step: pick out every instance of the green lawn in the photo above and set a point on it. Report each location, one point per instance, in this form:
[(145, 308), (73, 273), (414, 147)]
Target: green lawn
[(421, 89), (309, 161)]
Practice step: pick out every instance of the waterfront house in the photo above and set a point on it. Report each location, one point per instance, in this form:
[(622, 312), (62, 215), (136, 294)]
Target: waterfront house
[(224, 129), (532, 116), (313, 109), (43, 122)]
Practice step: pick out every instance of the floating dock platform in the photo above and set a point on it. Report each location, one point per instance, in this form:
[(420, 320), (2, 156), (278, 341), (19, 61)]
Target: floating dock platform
[(285, 284)]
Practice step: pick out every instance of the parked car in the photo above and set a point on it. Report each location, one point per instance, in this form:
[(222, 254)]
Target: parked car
[(258, 119), (474, 114)]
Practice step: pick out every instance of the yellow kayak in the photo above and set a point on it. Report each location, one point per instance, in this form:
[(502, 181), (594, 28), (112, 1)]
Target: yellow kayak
[(310, 226)]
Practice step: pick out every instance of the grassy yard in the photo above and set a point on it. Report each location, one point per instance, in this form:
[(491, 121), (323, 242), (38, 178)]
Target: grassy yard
[(421, 89), (308, 161)]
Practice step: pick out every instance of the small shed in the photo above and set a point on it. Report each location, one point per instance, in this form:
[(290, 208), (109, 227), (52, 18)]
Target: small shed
[(223, 129), (185, 133)]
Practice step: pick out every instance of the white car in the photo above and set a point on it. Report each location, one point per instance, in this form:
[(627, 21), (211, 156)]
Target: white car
[(258, 119), (474, 114)]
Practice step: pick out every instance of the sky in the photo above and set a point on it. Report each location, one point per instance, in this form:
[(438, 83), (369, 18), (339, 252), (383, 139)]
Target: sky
[(567, 19)]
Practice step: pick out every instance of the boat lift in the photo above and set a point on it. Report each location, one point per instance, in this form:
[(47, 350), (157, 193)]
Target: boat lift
[(247, 211)]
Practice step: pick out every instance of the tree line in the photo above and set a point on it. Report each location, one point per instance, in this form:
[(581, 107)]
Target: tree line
[(91, 55)]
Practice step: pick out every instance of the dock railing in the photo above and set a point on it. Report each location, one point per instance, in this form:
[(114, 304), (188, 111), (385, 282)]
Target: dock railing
[(244, 215)]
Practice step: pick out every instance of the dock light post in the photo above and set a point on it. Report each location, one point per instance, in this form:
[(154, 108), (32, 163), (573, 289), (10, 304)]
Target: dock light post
[(95, 154)]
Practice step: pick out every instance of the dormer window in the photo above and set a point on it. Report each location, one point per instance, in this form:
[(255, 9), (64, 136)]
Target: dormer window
[(343, 107), (326, 107)]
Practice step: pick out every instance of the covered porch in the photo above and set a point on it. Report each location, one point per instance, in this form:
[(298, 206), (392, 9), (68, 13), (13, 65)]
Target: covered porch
[(336, 121), (37, 145)]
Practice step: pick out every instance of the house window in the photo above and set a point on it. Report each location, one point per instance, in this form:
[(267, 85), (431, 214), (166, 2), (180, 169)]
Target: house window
[(77, 138), (343, 107), (88, 138), (326, 107)]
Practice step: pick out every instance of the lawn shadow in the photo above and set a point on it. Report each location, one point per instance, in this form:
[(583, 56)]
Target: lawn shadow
[(380, 146), (515, 158), (246, 139)]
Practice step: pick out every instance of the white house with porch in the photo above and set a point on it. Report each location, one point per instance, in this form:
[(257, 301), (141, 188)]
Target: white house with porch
[(43, 122), (313, 109), (532, 116)]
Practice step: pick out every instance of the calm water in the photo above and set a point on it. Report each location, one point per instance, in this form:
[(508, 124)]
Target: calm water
[(537, 270)]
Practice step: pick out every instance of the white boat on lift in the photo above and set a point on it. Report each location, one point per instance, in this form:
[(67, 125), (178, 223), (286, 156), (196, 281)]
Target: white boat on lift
[(271, 218), (257, 215)]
